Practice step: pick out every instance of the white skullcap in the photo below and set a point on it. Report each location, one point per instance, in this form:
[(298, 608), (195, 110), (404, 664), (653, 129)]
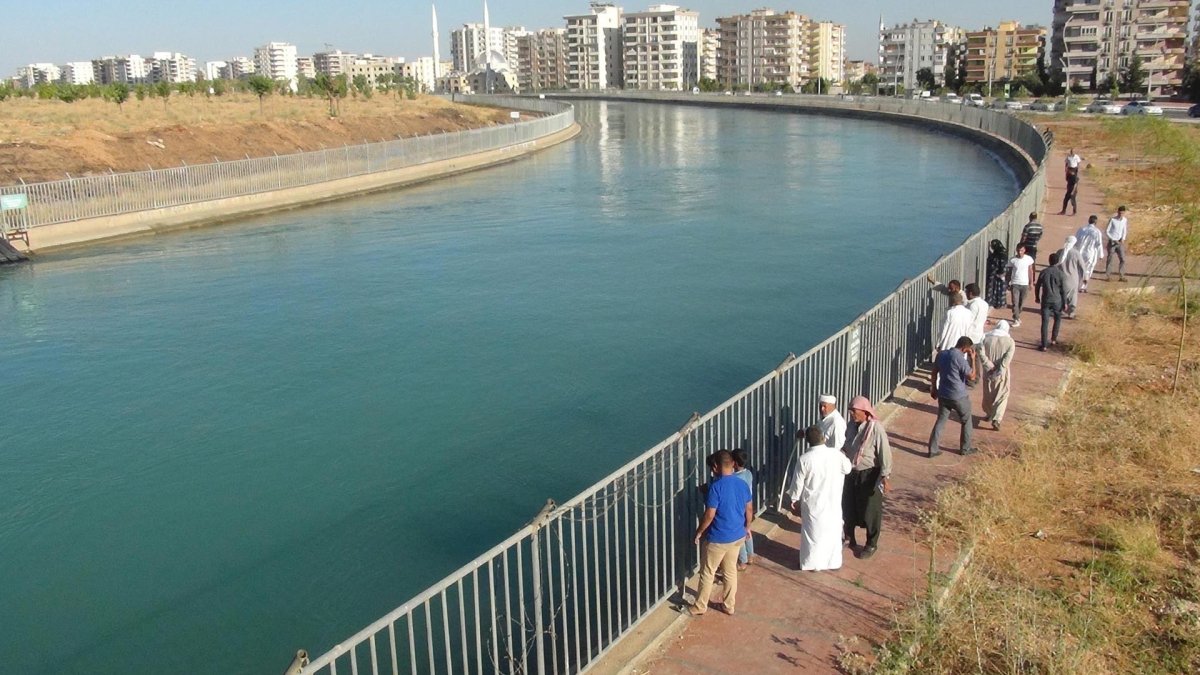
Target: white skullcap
[(828, 399)]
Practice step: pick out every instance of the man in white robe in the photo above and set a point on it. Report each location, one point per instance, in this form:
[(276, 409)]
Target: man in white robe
[(960, 322), (1090, 244), (1072, 264), (833, 425), (817, 486)]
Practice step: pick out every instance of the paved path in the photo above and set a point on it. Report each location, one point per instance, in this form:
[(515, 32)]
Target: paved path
[(789, 620)]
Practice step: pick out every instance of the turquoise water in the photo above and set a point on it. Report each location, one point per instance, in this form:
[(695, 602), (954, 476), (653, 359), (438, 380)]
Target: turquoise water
[(226, 444)]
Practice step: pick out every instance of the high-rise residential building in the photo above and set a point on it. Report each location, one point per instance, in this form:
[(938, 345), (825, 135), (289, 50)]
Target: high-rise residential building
[(130, 69), (662, 48), (213, 70), (277, 61), (710, 40), (1006, 52), (172, 67), (371, 68), (508, 45), (305, 67), (907, 48), (1095, 41), (78, 72), (238, 68), (827, 51), (332, 63), (763, 47), (468, 43), (420, 70), (594, 48), (38, 73), (542, 60)]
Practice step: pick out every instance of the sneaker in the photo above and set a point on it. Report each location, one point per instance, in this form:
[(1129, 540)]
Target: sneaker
[(1041, 348), (1123, 280), (968, 451), (934, 453), (867, 552), (996, 425), (1016, 323), (694, 611)]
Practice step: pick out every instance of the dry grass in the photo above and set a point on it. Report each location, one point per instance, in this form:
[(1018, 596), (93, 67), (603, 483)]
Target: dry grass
[(1087, 536), (43, 140)]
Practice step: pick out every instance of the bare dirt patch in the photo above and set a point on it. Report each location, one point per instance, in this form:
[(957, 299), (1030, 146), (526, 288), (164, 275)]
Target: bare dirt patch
[(47, 140)]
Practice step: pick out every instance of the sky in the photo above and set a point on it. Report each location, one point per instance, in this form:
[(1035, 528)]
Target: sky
[(58, 31)]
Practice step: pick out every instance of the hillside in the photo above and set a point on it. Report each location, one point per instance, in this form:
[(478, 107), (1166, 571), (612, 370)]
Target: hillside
[(47, 139)]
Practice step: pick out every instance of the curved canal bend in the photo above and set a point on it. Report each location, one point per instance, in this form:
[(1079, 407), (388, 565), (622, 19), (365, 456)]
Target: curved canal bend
[(225, 444)]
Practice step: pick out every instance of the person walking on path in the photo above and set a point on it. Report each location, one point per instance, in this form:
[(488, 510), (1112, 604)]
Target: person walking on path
[(728, 513), (1073, 272), (995, 355), (957, 324), (832, 424), (817, 486), (1090, 243), (1117, 231), (870, 455), (1071, 196), (979, 313), (997, 283), (742, 471), (952, 371), (1031, 234), (1072, 162), (1051, 294), (1021, 271)]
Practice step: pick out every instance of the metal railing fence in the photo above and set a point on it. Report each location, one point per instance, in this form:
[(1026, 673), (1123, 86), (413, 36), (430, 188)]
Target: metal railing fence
[(556, 595), (118, 193)]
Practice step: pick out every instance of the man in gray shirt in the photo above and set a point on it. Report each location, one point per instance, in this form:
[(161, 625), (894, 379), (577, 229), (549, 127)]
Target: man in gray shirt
[(952, 371), (1051, 293)]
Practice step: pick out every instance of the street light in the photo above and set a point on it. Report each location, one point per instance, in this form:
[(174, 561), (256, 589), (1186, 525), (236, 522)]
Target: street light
[(1063, 60)]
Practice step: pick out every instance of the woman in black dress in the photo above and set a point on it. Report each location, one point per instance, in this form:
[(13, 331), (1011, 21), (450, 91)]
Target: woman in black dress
[(997, 284)]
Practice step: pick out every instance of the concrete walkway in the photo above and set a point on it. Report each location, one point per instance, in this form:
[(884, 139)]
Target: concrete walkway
[(789, 620)]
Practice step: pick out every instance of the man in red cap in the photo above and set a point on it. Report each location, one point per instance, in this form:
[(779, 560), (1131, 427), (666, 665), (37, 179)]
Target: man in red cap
[(870, 454)]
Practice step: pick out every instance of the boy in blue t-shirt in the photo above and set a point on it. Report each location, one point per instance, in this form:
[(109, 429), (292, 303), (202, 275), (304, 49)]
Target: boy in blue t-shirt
[(725, 524)]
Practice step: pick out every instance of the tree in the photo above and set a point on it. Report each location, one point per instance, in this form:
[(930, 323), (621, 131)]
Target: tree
[(6, 91), (1191, 83), (118, 93), (262, 86), (1133, 80), (951, 73), (163, 89), (362, 86), (926, 79), (218, 87), (870, 82), (333, 89)]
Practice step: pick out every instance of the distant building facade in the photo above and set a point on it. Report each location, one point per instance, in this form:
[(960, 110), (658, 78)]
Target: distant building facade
[(172, 67), (661, 48), (542, 60), (763, 47), (905, 49), (1006, 52), (277, 61), (594, 48), (827, 51), (710, 41), (78, 73)]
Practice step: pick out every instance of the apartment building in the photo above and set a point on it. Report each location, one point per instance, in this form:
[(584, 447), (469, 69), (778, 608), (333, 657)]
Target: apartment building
[(371, 68), (172, 67), (1094, 40), (237, 68), (468, 44), (763, 47), (38, 73), (710, 40), (277, 61), (130, 69), (827, 51), (595, 50), (305, 67), (661, 48), (906, 48), (78, 72), (332, 63), (419, 70), (1006, 52), (542, 60), (857, 70)]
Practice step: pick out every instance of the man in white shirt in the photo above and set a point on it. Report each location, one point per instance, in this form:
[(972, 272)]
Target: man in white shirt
[(833, 425), (1021, 271), (1073, 162), (1117, 231), (979, 313), (959, 322), (1090, 243)]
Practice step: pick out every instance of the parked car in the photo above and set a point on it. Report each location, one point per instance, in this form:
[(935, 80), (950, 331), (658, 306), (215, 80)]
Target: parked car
[(931, 99), (1141, 108), (778, 93), (728, 93), (954, 98), (1041, 105), (1007, 104), (1194, 111), (974, 100), (1103, 106)]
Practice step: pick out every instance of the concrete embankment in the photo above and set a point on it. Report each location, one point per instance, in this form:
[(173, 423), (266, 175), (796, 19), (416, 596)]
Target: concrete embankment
[(220, 210)]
